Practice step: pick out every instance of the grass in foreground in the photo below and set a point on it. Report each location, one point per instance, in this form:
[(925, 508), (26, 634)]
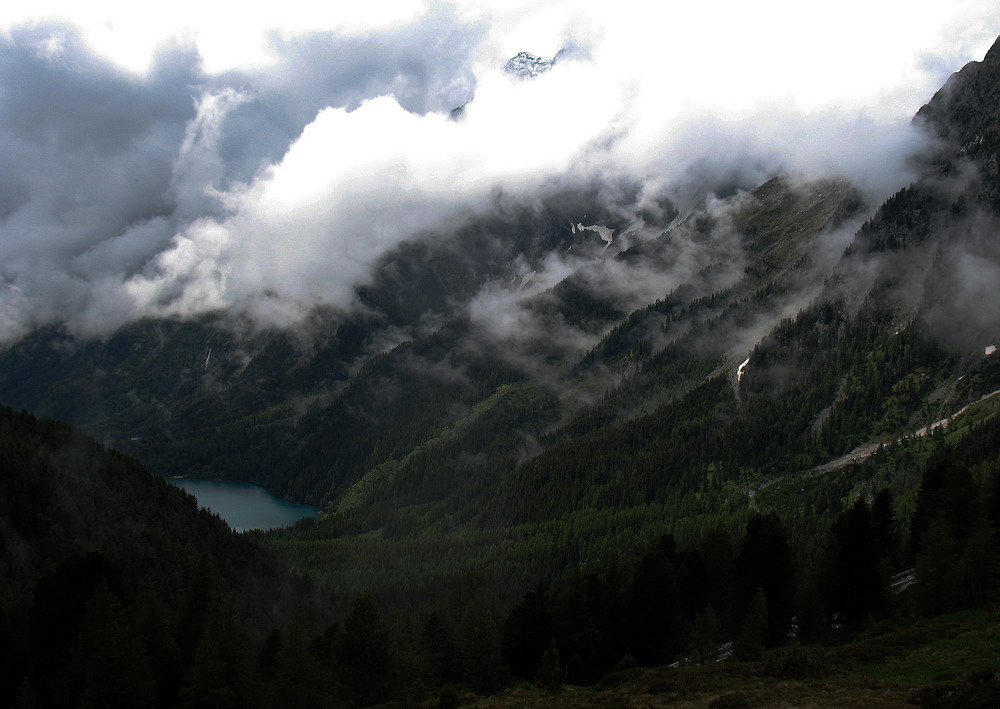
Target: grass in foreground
[(942, 663)]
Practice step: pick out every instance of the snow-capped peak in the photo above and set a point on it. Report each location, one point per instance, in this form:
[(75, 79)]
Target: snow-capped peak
[(525, 65)]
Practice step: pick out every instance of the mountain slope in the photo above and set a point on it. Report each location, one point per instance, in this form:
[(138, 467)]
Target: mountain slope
[(528, 378), (712, 396), (103, 562)]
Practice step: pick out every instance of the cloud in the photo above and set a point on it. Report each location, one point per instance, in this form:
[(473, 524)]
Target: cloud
[(269, 185), (117, 181), (536, 322), (959, 296)]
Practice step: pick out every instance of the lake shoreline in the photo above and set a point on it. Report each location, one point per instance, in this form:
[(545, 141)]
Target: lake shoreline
[(244, 506)]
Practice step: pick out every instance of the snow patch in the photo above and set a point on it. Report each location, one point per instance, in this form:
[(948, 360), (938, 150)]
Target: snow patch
[(739, 370), (526, 65), (607, 235)]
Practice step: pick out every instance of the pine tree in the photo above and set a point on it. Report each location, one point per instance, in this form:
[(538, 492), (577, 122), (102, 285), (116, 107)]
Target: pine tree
[(749, 643), (884, 518), (208, 684), (766, 562), (527, 633), (977, 568), (857, 586), (297, 680), (717, 550), (108, 667), (199, 605), (482, 663), (443, 651), (704, 646), (812, 619), (654, 622), (267, 658), (948, 491), (551, 674), (26, 698), (362, 653), (935, 581)]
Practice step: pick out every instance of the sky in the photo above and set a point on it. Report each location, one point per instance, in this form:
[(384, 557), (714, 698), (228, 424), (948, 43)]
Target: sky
[(179, 159)]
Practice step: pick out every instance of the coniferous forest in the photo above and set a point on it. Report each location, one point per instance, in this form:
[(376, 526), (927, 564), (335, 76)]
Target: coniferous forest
[(772, 481)]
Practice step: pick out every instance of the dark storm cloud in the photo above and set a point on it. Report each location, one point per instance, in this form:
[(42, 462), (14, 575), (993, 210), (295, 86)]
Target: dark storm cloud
[(103, 168), (88, 151), (56, 93)]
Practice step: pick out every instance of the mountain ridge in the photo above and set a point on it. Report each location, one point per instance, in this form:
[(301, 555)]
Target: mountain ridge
[(467, 393)]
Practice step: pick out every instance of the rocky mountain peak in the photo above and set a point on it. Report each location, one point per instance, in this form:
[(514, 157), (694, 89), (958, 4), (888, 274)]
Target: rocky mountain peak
[(525, 65), (967, 107)]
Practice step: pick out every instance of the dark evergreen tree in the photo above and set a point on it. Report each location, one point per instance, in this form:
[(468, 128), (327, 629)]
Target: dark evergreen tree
[(210, 682), (156, 627), (61, 601), (813, 624), (200, 603), (297, 679), (551, 673), (857, 586), (444, 652), (588, 616), (107, 666), (322, 646), (883, 511), (716, 545), (948, 491), (992, 504), (267, 658), (977, 570), (936, 591), (362, 653), (482, 662), (26, 697), (749, 643), (411, 663), (705, 635), (527, 633), (766, 562), (655, 629)]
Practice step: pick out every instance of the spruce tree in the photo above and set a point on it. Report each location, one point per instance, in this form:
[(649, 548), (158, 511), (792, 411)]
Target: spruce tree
[(977, 567), (208, 684), (766, 561), (482, 663), (935, 581), (551, 674), (704, 646), (107, 666), (749, 643), (857, 584), (362, 653), (443, 652), (527, 633), (297, 679), (654, 622)]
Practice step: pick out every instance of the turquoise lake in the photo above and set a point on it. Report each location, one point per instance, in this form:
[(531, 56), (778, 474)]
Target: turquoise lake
[(244, 505)]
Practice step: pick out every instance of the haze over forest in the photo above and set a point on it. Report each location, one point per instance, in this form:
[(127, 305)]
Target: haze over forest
[(609, 343)]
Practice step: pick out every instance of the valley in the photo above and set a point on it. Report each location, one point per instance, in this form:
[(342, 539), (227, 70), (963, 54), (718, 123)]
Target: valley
[(550, 447)]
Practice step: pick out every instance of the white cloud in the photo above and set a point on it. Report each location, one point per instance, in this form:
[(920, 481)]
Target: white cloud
[(273, 174)]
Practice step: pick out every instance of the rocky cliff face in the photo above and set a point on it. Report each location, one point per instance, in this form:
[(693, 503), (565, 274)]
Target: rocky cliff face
[(967, 108)]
